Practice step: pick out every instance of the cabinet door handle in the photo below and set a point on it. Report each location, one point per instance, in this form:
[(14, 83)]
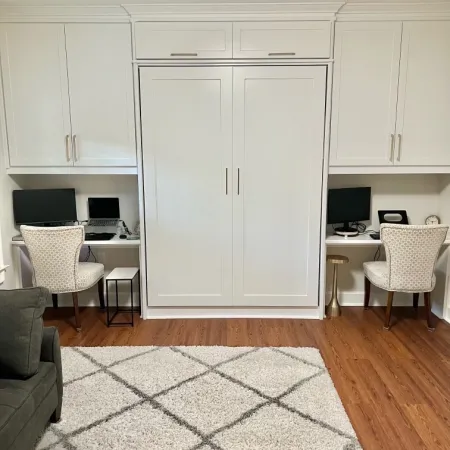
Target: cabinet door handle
[(399, 155), (74, 147), (238, 181), (67, 147), (282, 54), (392, 148), (183, 54), (226, 181)]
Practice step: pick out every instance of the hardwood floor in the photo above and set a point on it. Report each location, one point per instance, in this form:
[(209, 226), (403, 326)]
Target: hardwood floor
[(395, 385)]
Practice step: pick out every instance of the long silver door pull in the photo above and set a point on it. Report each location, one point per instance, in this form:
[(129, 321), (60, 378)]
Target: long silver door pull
[(226, 181), (183, 54), (74, 147), (392, 148), (399, 155), (67, 147), (282, 54), (238, 181)]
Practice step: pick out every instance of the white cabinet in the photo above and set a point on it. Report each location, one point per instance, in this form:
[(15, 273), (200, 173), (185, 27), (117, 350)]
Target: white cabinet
[(308, 39), (35, 89), (423, 120), (186, 140), (175, 40), (232, 177), (278, 120), (391, 95), (364, 101), (68, 93), (101, 94)]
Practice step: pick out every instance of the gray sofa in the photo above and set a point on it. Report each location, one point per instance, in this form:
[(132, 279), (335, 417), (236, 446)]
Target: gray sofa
[(31, 384)]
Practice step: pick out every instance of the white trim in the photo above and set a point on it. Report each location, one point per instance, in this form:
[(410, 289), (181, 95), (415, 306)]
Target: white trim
[(70, 170), (231, 62), (143, 246), (388, 170), (230, 313)]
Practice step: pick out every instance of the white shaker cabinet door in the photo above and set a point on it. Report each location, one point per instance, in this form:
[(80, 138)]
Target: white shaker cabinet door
[(34, 74), (423, 124), (101, 94), (278, 131), (187, 152), (364, 100)]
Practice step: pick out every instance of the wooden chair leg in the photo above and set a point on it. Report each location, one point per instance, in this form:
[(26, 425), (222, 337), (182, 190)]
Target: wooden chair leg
[(387, 322), (55, 300), (427, 296), (101, 293), (366, 292), (416, 300), (77, 312)]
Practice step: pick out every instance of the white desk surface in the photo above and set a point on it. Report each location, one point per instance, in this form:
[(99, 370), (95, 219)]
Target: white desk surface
[(115, 242), (362, 240)]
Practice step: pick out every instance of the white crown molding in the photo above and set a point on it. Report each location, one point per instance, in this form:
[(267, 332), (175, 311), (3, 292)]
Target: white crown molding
[(235, 11), (356, 11), (63, 14)]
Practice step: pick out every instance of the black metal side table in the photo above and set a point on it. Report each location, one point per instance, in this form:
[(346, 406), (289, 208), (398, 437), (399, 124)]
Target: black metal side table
[(121, 274)]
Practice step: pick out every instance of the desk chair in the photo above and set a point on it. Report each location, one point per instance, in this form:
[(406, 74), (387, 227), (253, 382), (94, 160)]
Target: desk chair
[(54, 254), (411, 254)]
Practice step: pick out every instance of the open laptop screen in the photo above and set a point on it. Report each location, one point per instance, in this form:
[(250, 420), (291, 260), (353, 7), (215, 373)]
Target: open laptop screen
[(104, 208)]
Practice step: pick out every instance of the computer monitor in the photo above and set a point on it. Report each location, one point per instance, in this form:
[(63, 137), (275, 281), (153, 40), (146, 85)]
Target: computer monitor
[(104, 208), (44, 206), (346, 206)]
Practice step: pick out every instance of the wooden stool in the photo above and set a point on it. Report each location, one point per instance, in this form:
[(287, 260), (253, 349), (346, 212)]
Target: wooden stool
[(334, 309)]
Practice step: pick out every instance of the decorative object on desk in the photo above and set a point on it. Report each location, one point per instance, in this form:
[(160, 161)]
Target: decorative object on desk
[(54, 255), (121, 274), (411, 253), (395, 216), (432, 220), (167, 398), (333, 308)]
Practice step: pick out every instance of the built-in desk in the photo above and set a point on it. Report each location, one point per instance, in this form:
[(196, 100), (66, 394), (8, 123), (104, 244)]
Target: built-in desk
[(113, 243), (362, 240)]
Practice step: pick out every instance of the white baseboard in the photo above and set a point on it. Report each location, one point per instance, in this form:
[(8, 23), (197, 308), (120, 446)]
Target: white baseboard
[(230, 313), (376, 298)]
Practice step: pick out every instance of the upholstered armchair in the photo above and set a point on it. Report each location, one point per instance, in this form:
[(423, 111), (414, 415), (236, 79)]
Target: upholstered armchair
[(54, 254), (411, 254)]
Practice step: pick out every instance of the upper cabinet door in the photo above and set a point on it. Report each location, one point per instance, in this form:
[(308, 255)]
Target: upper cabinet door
[(310, 39), (101, 94), (423, 124), (34, 72), (364, 99), (278, 131), (187, 155), (175, 40)]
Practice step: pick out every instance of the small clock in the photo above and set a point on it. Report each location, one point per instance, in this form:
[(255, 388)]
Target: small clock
[(432, 220)]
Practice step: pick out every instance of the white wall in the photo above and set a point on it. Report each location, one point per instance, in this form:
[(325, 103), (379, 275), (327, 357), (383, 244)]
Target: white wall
[(122, 186), (420, 196)]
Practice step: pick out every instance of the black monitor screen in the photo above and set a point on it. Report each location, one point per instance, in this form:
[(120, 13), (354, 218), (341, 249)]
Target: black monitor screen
[(104, 208), (44, 206), (348, 205)]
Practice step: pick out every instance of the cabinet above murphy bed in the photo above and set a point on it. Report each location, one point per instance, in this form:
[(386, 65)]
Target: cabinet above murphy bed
[(391, 97), (68, 103)]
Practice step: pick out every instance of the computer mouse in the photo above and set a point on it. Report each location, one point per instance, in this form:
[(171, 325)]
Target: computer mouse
[(123, 236)]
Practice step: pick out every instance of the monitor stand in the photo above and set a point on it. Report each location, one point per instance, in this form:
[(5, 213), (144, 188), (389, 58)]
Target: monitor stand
[(346, 230)]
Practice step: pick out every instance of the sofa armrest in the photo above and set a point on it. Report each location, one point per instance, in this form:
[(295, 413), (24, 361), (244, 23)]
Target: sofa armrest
[(51, 352)]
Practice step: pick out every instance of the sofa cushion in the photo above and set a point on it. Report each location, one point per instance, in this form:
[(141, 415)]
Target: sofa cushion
[(20, 398), (21, 330)]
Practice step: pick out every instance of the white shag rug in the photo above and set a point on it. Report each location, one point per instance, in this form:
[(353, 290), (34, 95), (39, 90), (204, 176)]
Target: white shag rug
[(174, 398)]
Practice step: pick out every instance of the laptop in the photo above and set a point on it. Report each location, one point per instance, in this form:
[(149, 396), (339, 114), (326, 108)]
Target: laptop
[(103, 211)]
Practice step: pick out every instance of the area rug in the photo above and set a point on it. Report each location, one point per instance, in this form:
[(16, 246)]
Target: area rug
[(230, 398)]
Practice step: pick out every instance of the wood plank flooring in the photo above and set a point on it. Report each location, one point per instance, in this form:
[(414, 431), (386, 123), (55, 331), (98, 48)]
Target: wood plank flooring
[(395, 385)]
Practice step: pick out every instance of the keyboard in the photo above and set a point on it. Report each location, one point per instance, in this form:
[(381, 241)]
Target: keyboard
[(98, 236)]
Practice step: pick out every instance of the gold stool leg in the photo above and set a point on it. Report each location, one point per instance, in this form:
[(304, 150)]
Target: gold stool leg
[(333, 308)]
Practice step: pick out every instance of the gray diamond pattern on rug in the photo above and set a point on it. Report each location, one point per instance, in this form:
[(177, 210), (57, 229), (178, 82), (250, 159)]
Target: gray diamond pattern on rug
[(198, 398)]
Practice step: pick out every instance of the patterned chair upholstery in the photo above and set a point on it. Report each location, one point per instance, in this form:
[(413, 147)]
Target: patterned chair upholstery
[(54, 255), (411, 254)]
